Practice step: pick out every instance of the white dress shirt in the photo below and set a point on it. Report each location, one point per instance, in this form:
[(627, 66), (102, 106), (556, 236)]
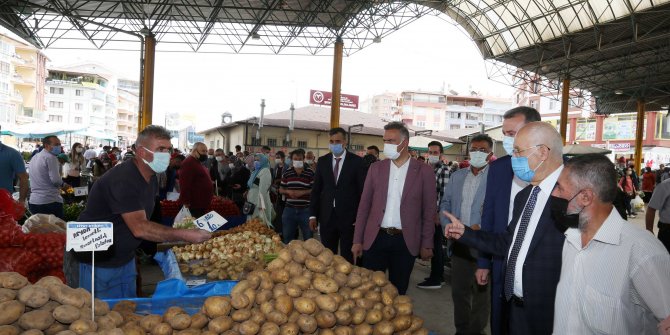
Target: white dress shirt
[(546, 187), (339, 170), (397, 176), (617, 284), (517, 186)]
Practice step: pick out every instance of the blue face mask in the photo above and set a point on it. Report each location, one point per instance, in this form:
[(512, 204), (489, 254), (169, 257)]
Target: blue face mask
[(508, 144), (337, 149), (522, 170), (56, 151), (288, 162), (257, 165), (160, 162)]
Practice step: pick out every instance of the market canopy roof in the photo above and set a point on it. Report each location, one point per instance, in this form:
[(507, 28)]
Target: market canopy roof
[(420, 143), (39, 130), (617, 50), (578, 149)]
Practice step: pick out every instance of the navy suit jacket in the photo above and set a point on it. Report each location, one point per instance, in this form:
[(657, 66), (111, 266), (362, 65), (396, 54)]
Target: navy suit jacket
[(541, 268), (496, 203)]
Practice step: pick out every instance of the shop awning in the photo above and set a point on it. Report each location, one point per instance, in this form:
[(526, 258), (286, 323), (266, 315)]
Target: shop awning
[(576, 150), (96, 134), (39, 130)]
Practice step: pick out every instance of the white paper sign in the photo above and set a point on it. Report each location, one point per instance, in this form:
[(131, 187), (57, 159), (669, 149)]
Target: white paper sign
[(80, 191), (89, 236), (172, 196), (210, 221)]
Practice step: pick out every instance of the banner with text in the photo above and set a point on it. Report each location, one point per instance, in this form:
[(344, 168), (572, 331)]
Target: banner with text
[(326, 99)]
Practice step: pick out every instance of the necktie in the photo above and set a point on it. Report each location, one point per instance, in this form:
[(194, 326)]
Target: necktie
[(336, 170), (521, 234)]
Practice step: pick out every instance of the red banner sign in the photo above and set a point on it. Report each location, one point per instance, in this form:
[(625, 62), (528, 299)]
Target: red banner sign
[(326, 99)]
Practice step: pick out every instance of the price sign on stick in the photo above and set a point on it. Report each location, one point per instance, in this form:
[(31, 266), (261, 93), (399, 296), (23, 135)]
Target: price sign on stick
[(80, 191), (210, 221), (90, 236)]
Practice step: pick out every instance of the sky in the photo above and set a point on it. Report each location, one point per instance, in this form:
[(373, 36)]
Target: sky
[(428, 54)]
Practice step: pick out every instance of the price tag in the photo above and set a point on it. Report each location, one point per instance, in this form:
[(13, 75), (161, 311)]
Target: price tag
[(195, 282), (210, 221), (80, 191), (89, 236)]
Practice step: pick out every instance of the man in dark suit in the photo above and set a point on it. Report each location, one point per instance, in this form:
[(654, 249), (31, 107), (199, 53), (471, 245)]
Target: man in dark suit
[(501, 188), (338, 184), (532, 244)]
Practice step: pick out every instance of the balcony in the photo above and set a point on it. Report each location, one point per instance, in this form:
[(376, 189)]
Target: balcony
[(16, 96), (17, 79)]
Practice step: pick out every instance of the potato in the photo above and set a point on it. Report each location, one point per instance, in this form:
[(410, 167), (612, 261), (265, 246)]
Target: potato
[(354, 280), (402, 322), (249, 328), (311, 294), (373, 296), (276, 317), (179, 321), (365, 303), (279, 290), (13, 280), (267, 284), (33, 332), (306, 323), (347, 305), (85, 313), (66, 314), (276, 264), (104, 322), (150, 321), (326, 302), (293, 290), (342, 267), (69, 296), (387, 298), (69, 332), (289, 329), (363, 329), (280, 276), (324, 284), (10, 311), (383, 328), (241, 315), (373, 317), (189, 332), (344, 330), (294, 316), (50, 306), (263, 296), (199, 321), (101, 307), (403, 308), (378, 306), (314, 265), (36, 319), (284, 255), (124, 305), (220, 324), (417, 323), (326, 257), (341, 279), (343, 318), (367, 285), (131, 329), (161, 329), (357, 294), (231, 332), (326, 332), (388, 312), (402, 299), (217, 306), (257, 316), (269, 328), (7, 294), (294, 269), (345, 292), (313, 246), (304, 305), (299, 255), (358, 315), (82, 326), (55, 327), (325, 319), (240, 301), (283, 304), (9, 330)]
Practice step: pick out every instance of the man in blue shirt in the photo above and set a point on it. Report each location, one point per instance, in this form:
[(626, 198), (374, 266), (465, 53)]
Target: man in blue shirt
[(11, 167)]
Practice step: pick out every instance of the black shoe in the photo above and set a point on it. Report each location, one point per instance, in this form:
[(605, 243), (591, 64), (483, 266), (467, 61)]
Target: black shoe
[(430, 284), (429, 279)]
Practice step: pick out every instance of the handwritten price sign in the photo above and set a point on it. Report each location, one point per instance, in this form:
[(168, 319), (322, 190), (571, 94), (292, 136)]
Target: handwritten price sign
[(89, 236), (210, 221)]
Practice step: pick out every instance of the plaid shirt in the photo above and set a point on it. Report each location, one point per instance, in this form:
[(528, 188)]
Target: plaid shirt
[(442, 174)]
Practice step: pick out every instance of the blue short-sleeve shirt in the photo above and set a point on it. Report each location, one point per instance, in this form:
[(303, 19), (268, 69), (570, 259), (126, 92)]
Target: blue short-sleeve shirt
[(11, 164)]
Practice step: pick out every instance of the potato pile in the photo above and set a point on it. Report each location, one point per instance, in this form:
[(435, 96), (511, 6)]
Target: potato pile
[(307, 290), (254, 224), (50, 307)]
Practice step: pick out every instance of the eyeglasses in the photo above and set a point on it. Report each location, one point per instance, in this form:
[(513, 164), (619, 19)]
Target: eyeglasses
[(518, 152)]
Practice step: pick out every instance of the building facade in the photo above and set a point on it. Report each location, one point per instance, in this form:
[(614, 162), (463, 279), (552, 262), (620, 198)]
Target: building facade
[(128, 110)]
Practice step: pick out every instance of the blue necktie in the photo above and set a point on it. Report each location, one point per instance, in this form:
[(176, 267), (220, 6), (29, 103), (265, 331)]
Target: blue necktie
[(520, 235)]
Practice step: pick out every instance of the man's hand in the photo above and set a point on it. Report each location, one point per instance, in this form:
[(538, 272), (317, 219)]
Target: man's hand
[(455, 229), (196, 235), (482, 276), (313, 224), (664, 326), (357, 251), (426, 254)]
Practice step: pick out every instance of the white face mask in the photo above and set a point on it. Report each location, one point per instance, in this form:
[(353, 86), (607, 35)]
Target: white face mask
[(433, 159), (309, 161), (210, 156), (79, 150), (278, 161), (478, 159), (391, 151), (298, 164), (219, 158), (231, 165)]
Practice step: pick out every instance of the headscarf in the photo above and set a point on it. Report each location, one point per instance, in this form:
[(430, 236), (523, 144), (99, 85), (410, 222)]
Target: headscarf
[(265, 164)]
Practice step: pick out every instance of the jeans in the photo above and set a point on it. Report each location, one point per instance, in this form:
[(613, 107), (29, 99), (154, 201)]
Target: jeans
[(55, 208), (292, 218), (110, 283)]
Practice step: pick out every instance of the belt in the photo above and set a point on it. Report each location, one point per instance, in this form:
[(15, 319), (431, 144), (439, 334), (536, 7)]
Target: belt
[(391, 231), (516, 301)]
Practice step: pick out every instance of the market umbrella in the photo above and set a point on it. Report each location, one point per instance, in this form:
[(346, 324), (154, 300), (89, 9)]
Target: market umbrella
[(420, 143), (95, 134), (576, 150)]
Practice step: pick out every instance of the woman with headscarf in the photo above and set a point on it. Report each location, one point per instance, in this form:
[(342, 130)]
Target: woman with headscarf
[(259, 189), (77, 163), (238, 180)]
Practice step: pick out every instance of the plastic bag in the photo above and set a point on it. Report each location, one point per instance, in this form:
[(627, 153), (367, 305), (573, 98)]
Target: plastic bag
[(172, 196), (637, 203), (184, 219), (44, 223)]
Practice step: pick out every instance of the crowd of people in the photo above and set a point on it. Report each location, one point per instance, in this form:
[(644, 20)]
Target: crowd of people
[(538, 244)]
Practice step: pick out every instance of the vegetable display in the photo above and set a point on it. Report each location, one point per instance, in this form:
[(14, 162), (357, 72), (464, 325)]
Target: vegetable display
[(224, 207)]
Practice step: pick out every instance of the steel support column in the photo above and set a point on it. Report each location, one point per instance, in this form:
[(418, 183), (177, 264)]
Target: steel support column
[(565, 98), (639, 133), (148, 82), (337, 83)]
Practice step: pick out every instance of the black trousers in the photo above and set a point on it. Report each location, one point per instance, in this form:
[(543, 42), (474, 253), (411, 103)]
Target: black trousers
[(437, 261), (664, 234), (338, 236), (389, 252), (514, 319)]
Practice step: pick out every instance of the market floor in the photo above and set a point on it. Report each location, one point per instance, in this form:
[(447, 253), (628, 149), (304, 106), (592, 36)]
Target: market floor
[(434, 306)]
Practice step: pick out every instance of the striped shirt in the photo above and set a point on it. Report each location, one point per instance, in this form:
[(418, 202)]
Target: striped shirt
[(617, 284), (291, 180), (442, 174)]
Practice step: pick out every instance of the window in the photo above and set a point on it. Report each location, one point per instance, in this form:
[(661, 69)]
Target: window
[(533, 104), (78, 93), (472, 116), (356, 147), (56, 104), (552, 104), (302, 144), (420, 123), (78, 106), (218, 144), (55, 118), (211, 144), (272, 142), (455, 126), (4, 68), (56, 90), (488, 117), (436, 125), (255, 141), (4, 88), (455, 115), (286, 143), (78, 119)]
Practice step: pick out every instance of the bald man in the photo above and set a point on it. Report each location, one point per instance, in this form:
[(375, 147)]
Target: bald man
[(532, 244), (195, 184)]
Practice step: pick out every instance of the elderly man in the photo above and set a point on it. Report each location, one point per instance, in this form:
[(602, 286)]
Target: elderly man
[(614, 278), (128, 207), (45, 180), (532, 244), (220, 172), (310, 160), (195, 185), (396, 215), (464, 198)]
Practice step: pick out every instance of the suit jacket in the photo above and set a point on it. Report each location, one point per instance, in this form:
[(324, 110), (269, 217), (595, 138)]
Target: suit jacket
[(541, 268), (346, 193), (417, 205), (453, 197), (496, 203)]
